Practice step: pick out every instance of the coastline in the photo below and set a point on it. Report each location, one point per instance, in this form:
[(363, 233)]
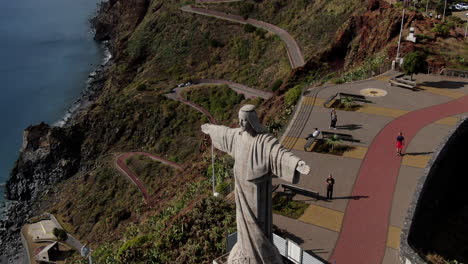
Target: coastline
[(14, 213), (90, 92)]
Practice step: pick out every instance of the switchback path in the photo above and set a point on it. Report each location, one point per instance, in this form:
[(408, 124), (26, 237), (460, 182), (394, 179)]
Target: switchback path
[(237, 87), (294, 52), (120, 163), (365, 226)]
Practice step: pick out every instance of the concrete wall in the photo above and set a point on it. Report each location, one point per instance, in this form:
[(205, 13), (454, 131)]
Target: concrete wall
[(441, 192)]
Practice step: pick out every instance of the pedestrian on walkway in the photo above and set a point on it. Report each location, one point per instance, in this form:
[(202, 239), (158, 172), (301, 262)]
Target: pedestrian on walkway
[(330, 182), (400, 143), (333, 121)]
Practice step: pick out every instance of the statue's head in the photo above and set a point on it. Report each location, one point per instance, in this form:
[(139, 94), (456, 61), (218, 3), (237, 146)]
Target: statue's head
[(248, 120)]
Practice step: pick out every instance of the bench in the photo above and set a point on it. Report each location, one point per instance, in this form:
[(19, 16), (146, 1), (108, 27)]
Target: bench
[(345, 137), (299, 190), (403, 85), (355, 97), (310, 141), (401, 80)]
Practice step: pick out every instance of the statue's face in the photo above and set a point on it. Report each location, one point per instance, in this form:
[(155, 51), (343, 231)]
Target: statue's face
[(244, 123)]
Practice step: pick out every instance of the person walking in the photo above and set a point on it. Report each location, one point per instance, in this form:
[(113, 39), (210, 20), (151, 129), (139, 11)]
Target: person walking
[(334, 118), (400, 142), (330, 182)]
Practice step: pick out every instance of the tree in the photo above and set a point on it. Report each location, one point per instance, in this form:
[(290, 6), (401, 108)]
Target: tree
[(347, 102), (414, 63)]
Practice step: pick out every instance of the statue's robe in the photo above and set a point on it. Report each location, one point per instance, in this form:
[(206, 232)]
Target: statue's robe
[(256, 160)]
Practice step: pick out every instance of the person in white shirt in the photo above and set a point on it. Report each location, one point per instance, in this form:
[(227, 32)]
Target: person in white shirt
[(315, 134)]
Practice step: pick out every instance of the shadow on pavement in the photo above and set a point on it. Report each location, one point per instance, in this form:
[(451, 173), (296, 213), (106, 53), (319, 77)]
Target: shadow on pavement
[(349, 127), (446, 84), (418, 153)]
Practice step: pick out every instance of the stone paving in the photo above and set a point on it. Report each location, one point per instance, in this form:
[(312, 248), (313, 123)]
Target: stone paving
[(322, 225)]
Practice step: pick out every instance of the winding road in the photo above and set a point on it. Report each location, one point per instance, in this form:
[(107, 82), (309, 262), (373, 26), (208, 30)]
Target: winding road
[(294, 52), (123, 168)]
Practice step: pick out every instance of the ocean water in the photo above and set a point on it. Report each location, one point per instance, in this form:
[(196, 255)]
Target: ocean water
[(46, 53)]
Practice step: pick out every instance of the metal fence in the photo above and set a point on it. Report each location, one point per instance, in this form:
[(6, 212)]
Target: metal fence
[(286, 247), (447, 72)]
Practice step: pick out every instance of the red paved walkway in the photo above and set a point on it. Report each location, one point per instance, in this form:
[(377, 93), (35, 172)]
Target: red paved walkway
[(364, 231)]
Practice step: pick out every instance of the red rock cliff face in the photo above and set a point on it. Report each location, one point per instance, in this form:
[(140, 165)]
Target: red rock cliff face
[(368, 33)]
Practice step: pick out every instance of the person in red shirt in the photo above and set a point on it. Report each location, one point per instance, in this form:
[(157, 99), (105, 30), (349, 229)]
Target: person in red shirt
[(399, 143)]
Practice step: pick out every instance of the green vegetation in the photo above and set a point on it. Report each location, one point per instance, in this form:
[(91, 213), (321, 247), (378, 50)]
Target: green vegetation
[(414, 63), (223, 173), (285, 206), (293, 95), (333, 141), (348, 103), (176, 235), (60, 234), (276, 85), (441, 30), (220, 101), (370, 67)]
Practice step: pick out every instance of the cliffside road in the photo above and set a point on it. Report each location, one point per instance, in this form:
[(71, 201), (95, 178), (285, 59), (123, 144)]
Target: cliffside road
[(176, 96), (294, 52), (120, 163), (238, 88)]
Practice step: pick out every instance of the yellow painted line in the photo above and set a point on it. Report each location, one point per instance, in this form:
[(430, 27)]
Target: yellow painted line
[(356, 153), (298, 143), (449, 121), (323, 217), (381, 111), (313, 101), (442, 91), (382, 78), (393, 238), (417, 161)]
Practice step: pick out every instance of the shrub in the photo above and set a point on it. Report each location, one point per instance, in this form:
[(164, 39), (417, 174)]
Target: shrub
[(141, 87), (292, 95), (249, 28), (60, 234), (260, 32), (422, 38), (441, 29), (245, 9), (333, 141), (216, 43), (276, 85)]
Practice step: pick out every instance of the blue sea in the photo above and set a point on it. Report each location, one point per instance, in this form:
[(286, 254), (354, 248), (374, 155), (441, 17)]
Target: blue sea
[(46, 53)]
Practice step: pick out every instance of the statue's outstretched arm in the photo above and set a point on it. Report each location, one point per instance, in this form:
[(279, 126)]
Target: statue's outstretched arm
[(205, 128)]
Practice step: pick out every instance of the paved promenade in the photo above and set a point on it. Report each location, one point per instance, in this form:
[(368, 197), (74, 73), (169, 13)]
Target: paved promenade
[(374, 186)]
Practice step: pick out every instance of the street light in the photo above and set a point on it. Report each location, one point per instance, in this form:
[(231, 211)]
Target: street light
[(445, 6), (401, 32), (466, 27)]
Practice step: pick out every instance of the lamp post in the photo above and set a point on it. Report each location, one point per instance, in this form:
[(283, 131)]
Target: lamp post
[(427, 5), (445, 6), (399, 38), (466, 27)]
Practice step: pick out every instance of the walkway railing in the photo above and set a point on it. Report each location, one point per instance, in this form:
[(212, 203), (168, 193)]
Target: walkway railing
[(286, 247), (447, 72)]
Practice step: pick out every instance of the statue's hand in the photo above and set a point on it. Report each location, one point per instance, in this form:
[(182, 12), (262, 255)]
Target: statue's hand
[(302, 167), (205, 128)]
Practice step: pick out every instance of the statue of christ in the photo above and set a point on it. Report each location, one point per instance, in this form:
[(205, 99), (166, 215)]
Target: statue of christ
[(258, 156)]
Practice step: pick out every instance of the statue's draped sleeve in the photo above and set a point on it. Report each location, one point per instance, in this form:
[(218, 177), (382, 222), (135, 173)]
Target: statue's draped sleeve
[(283, 163), (223, 138)]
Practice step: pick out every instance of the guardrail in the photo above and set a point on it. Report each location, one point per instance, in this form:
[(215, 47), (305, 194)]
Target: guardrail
[(286, 247), (447, 72)]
